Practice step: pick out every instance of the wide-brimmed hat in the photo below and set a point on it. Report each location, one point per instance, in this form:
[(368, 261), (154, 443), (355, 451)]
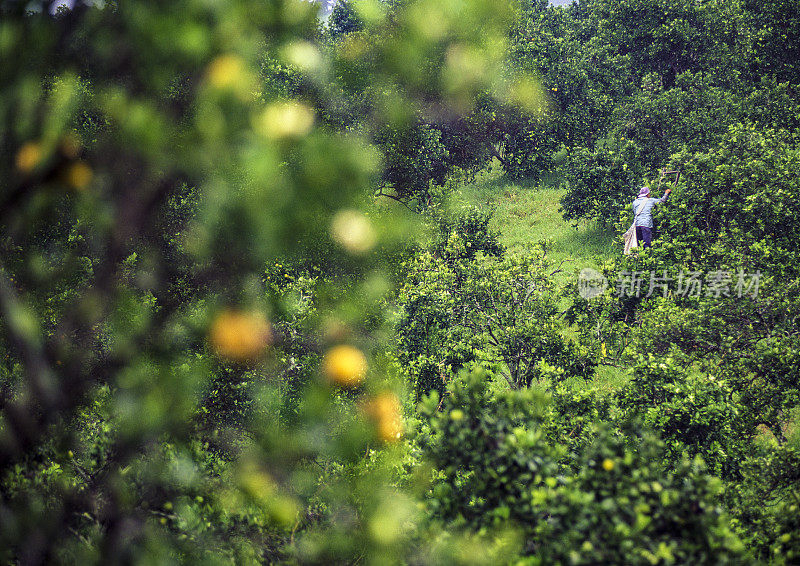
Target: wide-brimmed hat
[(644, 191)]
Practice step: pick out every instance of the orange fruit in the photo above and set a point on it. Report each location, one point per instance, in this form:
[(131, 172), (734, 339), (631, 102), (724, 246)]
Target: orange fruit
[(240, 336), (353, 231), (225, 71), (79, 175), (344, 366), (29, 156), (384, 410), (285, 120)]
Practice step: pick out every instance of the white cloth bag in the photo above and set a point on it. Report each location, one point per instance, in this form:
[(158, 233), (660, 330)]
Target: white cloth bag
[(630, 236)]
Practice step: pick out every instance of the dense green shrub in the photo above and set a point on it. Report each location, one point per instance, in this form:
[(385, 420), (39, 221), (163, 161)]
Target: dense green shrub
[(694, 412), (464, 301), (765, 503), (616, 501), (627, 505), (491, 454)]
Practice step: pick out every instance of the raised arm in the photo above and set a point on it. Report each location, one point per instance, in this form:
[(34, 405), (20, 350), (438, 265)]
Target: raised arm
[(664, 173)]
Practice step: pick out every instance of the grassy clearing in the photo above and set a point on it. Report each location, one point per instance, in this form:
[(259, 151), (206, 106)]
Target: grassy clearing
[(526, 214)]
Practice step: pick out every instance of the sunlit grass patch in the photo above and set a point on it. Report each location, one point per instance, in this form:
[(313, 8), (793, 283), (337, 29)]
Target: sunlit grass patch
[(525, 214)]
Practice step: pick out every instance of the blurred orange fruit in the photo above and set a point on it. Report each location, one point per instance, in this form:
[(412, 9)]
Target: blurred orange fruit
[(353, 230), (384, 410), (29, 156), (283, 120), (240, 336), (79, 175), (344, 366), (225, 71)]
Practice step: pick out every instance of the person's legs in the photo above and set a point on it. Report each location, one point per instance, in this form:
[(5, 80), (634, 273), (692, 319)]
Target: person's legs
[(646, 235)]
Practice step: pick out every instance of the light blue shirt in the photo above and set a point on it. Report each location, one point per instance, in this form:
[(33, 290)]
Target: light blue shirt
[(645, 218)]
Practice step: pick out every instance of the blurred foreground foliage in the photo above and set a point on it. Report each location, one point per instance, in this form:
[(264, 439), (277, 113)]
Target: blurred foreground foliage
[(191, 275)]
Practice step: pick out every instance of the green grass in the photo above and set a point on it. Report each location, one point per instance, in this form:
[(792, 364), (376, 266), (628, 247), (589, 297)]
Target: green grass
[(606, 378), (526, 214)]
